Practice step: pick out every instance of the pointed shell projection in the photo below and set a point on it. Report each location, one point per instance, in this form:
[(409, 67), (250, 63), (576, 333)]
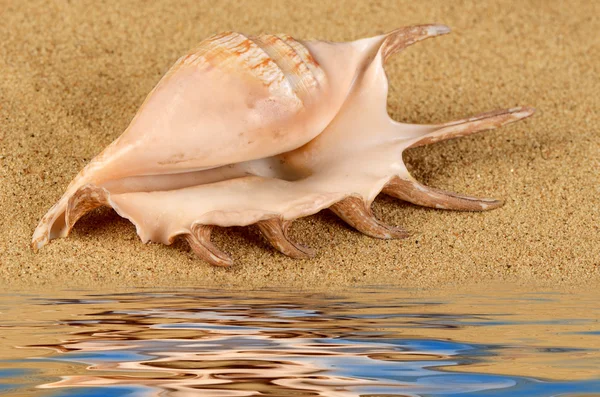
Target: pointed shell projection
[(264, 130)]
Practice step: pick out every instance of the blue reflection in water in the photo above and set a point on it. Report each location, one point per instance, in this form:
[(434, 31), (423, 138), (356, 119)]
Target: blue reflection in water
[(106, 391), (194, 347), (6, 375), (347, 363), (100, 356)]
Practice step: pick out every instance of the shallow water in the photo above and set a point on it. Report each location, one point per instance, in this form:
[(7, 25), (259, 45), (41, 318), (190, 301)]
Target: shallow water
[(378, 342)]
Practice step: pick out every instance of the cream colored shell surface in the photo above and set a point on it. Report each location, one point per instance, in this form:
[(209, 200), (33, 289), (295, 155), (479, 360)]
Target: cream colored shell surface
[(264, 130)]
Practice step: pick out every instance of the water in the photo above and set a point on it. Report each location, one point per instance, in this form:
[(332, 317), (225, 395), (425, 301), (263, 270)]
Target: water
[(378, 342)]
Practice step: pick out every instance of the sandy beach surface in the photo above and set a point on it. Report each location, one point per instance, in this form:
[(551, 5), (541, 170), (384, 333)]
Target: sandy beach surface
[(73, 74)]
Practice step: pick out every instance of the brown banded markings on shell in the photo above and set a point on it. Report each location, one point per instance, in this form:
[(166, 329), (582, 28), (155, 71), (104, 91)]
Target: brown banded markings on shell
[(280, 62), (86, 199), (199, 240), (333, 146), (401, 38), (357, 213), (302, 74), (276, 231)]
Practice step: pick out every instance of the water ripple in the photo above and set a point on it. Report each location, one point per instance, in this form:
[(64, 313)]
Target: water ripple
[(382, 342)]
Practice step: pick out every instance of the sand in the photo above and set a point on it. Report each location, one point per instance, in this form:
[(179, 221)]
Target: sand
[(73, 74)]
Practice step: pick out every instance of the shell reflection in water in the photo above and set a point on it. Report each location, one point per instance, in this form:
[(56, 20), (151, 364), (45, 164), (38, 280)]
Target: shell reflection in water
[(229, 364), (278, 344)]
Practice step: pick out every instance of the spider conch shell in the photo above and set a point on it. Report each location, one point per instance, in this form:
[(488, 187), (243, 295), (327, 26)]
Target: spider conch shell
[(264, 130)]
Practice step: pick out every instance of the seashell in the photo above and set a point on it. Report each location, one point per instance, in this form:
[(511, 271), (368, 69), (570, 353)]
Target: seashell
[(264, 130)]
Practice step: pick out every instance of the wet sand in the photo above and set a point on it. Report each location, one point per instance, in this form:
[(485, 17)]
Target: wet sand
[(74, 74)]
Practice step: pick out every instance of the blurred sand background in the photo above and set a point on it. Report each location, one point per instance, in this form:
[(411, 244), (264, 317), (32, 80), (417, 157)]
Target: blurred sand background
[(73, 74)]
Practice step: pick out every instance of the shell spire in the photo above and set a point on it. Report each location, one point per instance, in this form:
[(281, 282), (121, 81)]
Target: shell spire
[(264, 130)]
